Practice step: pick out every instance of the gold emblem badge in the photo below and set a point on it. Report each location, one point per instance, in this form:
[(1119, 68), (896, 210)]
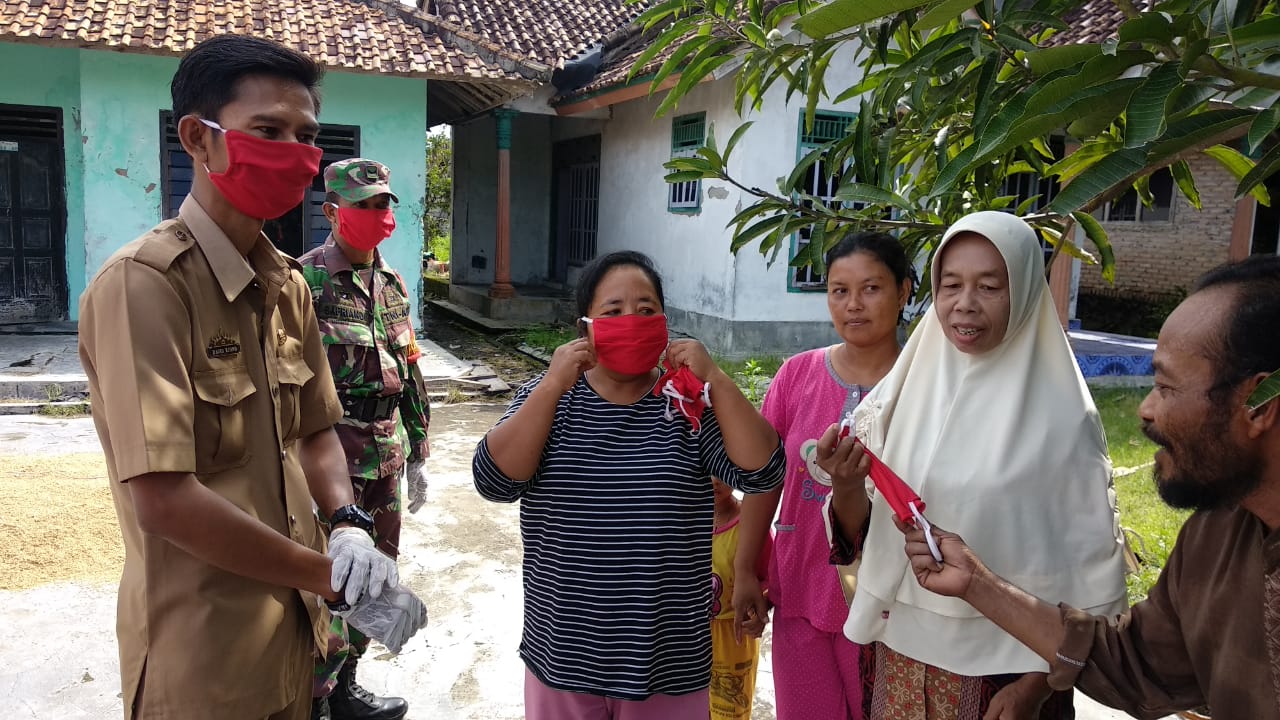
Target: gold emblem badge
[(281, 337), (221, 346)]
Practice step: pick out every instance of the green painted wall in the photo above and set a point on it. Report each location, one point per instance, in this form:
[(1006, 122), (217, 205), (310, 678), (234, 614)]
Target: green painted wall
[(122, 96), (51, 78), (111, 106)]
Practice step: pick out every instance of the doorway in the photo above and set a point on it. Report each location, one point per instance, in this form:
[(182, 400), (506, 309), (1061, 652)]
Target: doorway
[(33, 215)]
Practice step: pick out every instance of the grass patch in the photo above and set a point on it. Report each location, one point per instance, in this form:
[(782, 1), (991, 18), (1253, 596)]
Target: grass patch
[(1155, 524), (548, 337)]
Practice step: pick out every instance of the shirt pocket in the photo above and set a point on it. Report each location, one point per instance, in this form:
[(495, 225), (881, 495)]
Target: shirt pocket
[(220, 420), (294, 373)]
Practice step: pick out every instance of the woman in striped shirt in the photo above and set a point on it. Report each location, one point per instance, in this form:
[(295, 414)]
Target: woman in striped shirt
[(616, 509)]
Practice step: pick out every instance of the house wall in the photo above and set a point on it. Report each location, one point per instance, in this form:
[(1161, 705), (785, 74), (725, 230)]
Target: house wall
[(475, 199), (1163, 259), (738, 305), (111, 106)]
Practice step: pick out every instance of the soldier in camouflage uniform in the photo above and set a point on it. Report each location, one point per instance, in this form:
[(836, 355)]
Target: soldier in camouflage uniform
[(365, 321)]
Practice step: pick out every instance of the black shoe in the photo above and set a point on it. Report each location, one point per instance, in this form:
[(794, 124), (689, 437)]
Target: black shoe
[(320, 709), (349, 701)]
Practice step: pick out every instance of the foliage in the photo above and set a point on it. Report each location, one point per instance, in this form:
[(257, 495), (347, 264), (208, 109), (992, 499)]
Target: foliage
[(440, 247), (958, 97), (1267, 391), (439, 199), (548, 337)]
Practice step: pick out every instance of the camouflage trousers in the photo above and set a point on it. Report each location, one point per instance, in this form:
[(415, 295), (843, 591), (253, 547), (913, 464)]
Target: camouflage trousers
[(381, 498)]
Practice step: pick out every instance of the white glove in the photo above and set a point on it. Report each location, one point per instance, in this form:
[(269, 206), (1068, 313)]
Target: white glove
[(391, 618), (416, 477), (358, 566)]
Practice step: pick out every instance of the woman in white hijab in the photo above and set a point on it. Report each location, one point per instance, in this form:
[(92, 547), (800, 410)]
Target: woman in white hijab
[(986, 416)]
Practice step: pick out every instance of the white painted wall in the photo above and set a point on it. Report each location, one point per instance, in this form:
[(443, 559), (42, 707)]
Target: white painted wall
[(693, 250)]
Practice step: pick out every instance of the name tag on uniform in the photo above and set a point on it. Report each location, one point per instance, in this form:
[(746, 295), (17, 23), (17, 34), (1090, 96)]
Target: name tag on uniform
[(221, 346)]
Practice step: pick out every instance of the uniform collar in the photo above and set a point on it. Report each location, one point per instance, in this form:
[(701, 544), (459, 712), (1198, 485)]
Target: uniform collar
[(232, 270), (336, 260)]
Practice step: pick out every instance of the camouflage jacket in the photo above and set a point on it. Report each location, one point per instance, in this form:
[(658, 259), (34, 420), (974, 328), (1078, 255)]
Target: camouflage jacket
[(368, 337)]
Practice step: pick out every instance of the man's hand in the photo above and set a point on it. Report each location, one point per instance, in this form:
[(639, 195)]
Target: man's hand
[(359, 568), (390, 618), (416, 478), (750, 607), (954, 575), (1020, 699)]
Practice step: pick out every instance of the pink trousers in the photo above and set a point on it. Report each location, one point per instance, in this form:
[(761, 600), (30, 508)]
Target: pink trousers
[(815, 673), (545, 703)]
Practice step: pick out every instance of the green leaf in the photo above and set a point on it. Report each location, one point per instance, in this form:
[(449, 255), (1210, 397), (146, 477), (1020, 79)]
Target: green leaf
[(1048, 60), (1191, 96), (862, 192), (1055, 239), (1150, 27), (1098, 236), (1239, 166), (832, 17), (1027, 205), (1265, 168), (735, 137), (1202, 129), (1267, 390), (1194, 51), (1181, 172), (1145, 118), (684, 176), (1115, 169), (983, 104), (802, 168), (1263, 125), (942, 13)]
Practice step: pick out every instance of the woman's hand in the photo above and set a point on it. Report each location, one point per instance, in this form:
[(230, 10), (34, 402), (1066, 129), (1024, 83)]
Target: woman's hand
[(1020, 699), (844, 461), (568, 363), (693, 355)]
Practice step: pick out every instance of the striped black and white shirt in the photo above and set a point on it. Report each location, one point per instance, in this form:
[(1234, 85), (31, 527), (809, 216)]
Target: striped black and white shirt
[(616, 525)]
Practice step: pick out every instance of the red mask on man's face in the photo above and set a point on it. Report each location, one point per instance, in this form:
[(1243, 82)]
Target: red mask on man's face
[(264, 179), (364, 228), (629, 344)]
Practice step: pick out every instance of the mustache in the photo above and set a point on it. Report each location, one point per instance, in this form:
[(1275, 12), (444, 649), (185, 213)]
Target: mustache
[(1154, 435)]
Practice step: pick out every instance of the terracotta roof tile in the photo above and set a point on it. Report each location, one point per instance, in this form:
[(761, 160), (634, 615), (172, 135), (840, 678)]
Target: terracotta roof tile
[(545, 31), (1093, 22), (341, 34)]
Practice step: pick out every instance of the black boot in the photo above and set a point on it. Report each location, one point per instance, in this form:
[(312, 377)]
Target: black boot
[(320, 709), (349, 701)]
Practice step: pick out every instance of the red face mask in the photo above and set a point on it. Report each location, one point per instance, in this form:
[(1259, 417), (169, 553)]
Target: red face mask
[(629, 344), (264, 179), (364, 228)]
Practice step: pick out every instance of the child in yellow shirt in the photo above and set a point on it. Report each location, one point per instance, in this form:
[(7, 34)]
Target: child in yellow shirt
[(733, 664)]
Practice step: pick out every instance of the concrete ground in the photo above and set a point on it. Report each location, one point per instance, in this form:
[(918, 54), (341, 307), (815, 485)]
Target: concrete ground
[(461, 553)]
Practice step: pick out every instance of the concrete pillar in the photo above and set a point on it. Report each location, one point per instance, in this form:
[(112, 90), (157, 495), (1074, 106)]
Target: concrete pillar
[(501, 287)]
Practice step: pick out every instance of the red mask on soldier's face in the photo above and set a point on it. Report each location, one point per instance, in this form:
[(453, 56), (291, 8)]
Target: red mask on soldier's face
[(364, 228), (264, 179), (629, 344)]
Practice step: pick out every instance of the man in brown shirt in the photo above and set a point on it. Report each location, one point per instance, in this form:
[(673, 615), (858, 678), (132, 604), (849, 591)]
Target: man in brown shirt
[(1209, 631), (214, 405)]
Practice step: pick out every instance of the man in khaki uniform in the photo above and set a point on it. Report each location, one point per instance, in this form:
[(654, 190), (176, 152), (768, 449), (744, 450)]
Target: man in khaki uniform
[(214, 404)]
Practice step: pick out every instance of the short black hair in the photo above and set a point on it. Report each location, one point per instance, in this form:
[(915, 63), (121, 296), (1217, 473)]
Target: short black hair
[(332, 197), (208, 77), (1250, 342), (601, 266), (883, 246)]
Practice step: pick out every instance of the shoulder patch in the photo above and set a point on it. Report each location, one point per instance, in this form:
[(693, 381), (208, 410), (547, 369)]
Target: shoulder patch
[(165, 243)]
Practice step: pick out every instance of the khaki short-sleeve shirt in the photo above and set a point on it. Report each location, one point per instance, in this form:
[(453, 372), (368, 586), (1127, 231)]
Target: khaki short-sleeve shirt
[(202, 361)]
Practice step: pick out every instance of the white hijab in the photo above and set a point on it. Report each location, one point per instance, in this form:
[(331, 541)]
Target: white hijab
[(1006, 449)]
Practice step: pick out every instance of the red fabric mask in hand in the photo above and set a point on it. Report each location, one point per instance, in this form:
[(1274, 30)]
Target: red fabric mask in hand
[(681, 387), (895, 490), (629, 344)]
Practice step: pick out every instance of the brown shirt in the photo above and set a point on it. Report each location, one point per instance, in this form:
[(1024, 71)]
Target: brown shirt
[(202, 362), (1200, 637)]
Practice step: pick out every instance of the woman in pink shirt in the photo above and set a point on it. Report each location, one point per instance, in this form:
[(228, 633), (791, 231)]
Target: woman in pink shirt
[(815, 669)]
